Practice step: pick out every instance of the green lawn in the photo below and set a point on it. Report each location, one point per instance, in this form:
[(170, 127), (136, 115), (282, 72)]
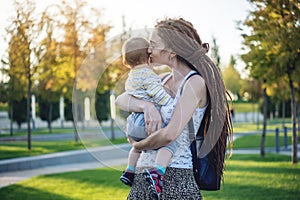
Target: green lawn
[(253, 141), (241, 127), (43, 131), (247, 177), (241, 107), (39, 131), (19, 149)]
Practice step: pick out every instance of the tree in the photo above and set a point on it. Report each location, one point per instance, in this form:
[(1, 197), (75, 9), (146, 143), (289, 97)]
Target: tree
[(49, 111), (232, 78), (23, 34), (83, 33), (29, 51), (20, 108), (15, 87), (280, 93), (215, 52), (3, 92), (49, 78), (251, 88), (102, 106), (272, 39)]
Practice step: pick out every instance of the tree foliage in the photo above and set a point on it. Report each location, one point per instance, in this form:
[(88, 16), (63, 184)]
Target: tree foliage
[(232, 79), (19, 107), (215, 55), (271, 41), (46, 50)]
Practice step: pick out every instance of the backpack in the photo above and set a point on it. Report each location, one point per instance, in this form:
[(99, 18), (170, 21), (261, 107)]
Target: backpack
[(205, 171)]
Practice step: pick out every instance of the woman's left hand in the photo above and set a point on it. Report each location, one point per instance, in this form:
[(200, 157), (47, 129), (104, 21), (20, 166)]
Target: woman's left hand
[(152, 117), (130, 140)]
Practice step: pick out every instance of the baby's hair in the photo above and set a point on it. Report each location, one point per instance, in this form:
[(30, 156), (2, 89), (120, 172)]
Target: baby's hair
[(135, 51)]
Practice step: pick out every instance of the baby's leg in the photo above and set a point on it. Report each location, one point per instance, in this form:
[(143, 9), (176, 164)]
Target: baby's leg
[(157, 173), (163, 158), (128, 175), (133, 157)]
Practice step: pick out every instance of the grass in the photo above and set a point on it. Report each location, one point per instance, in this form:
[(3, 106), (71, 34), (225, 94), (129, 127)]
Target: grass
[(19, 149), (39, 131), (241, 127), (253, 141), (242, 107), (253, 177), (44, 131), (247, 177)]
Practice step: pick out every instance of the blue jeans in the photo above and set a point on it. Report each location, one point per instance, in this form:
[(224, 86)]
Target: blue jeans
[(136, 129)]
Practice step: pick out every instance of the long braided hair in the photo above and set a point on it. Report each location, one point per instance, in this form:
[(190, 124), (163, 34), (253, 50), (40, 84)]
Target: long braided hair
[(182, 38)]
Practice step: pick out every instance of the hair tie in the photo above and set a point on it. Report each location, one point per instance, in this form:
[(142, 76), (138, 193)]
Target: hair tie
[(205, 46)]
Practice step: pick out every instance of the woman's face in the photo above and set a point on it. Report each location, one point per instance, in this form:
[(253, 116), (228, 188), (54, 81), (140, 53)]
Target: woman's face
[(159, 55)]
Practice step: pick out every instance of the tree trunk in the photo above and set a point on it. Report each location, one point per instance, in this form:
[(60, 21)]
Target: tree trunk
[(253, 110), (50, 117), (11, 118), (75, 117), (298, 116), (263, 136), (283, 113), (76, 136), (294, 133)]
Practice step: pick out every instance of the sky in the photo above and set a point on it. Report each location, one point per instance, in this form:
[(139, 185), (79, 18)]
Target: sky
[(210, 18)]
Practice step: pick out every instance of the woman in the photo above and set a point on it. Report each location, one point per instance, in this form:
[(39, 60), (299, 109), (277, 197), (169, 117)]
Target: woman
[(196, 84)]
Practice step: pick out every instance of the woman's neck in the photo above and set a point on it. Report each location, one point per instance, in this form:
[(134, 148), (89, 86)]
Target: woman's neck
[(179, 72)]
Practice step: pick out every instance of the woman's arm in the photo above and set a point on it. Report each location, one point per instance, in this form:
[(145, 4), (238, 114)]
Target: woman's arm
[(151, 114), (194, 94)]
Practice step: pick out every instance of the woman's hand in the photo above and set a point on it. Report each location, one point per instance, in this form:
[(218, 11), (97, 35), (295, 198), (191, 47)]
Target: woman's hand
[(130, 140), (152, 117)]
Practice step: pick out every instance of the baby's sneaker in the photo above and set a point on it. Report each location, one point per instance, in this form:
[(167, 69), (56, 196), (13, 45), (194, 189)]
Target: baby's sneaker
[(157, 178), (151, 184), (127, 178)]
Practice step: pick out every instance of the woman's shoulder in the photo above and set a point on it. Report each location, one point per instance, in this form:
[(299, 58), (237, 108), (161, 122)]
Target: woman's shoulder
[(195, 87), (196, 81)]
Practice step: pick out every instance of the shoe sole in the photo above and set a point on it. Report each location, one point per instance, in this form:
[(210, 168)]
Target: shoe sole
[(126, 181), (150, 182)]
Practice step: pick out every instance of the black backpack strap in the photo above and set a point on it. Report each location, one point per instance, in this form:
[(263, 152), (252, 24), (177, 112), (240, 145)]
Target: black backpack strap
[(192, 74), (192, 135)]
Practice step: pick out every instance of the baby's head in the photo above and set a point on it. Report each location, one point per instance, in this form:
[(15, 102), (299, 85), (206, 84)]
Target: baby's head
[(135, 51)]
